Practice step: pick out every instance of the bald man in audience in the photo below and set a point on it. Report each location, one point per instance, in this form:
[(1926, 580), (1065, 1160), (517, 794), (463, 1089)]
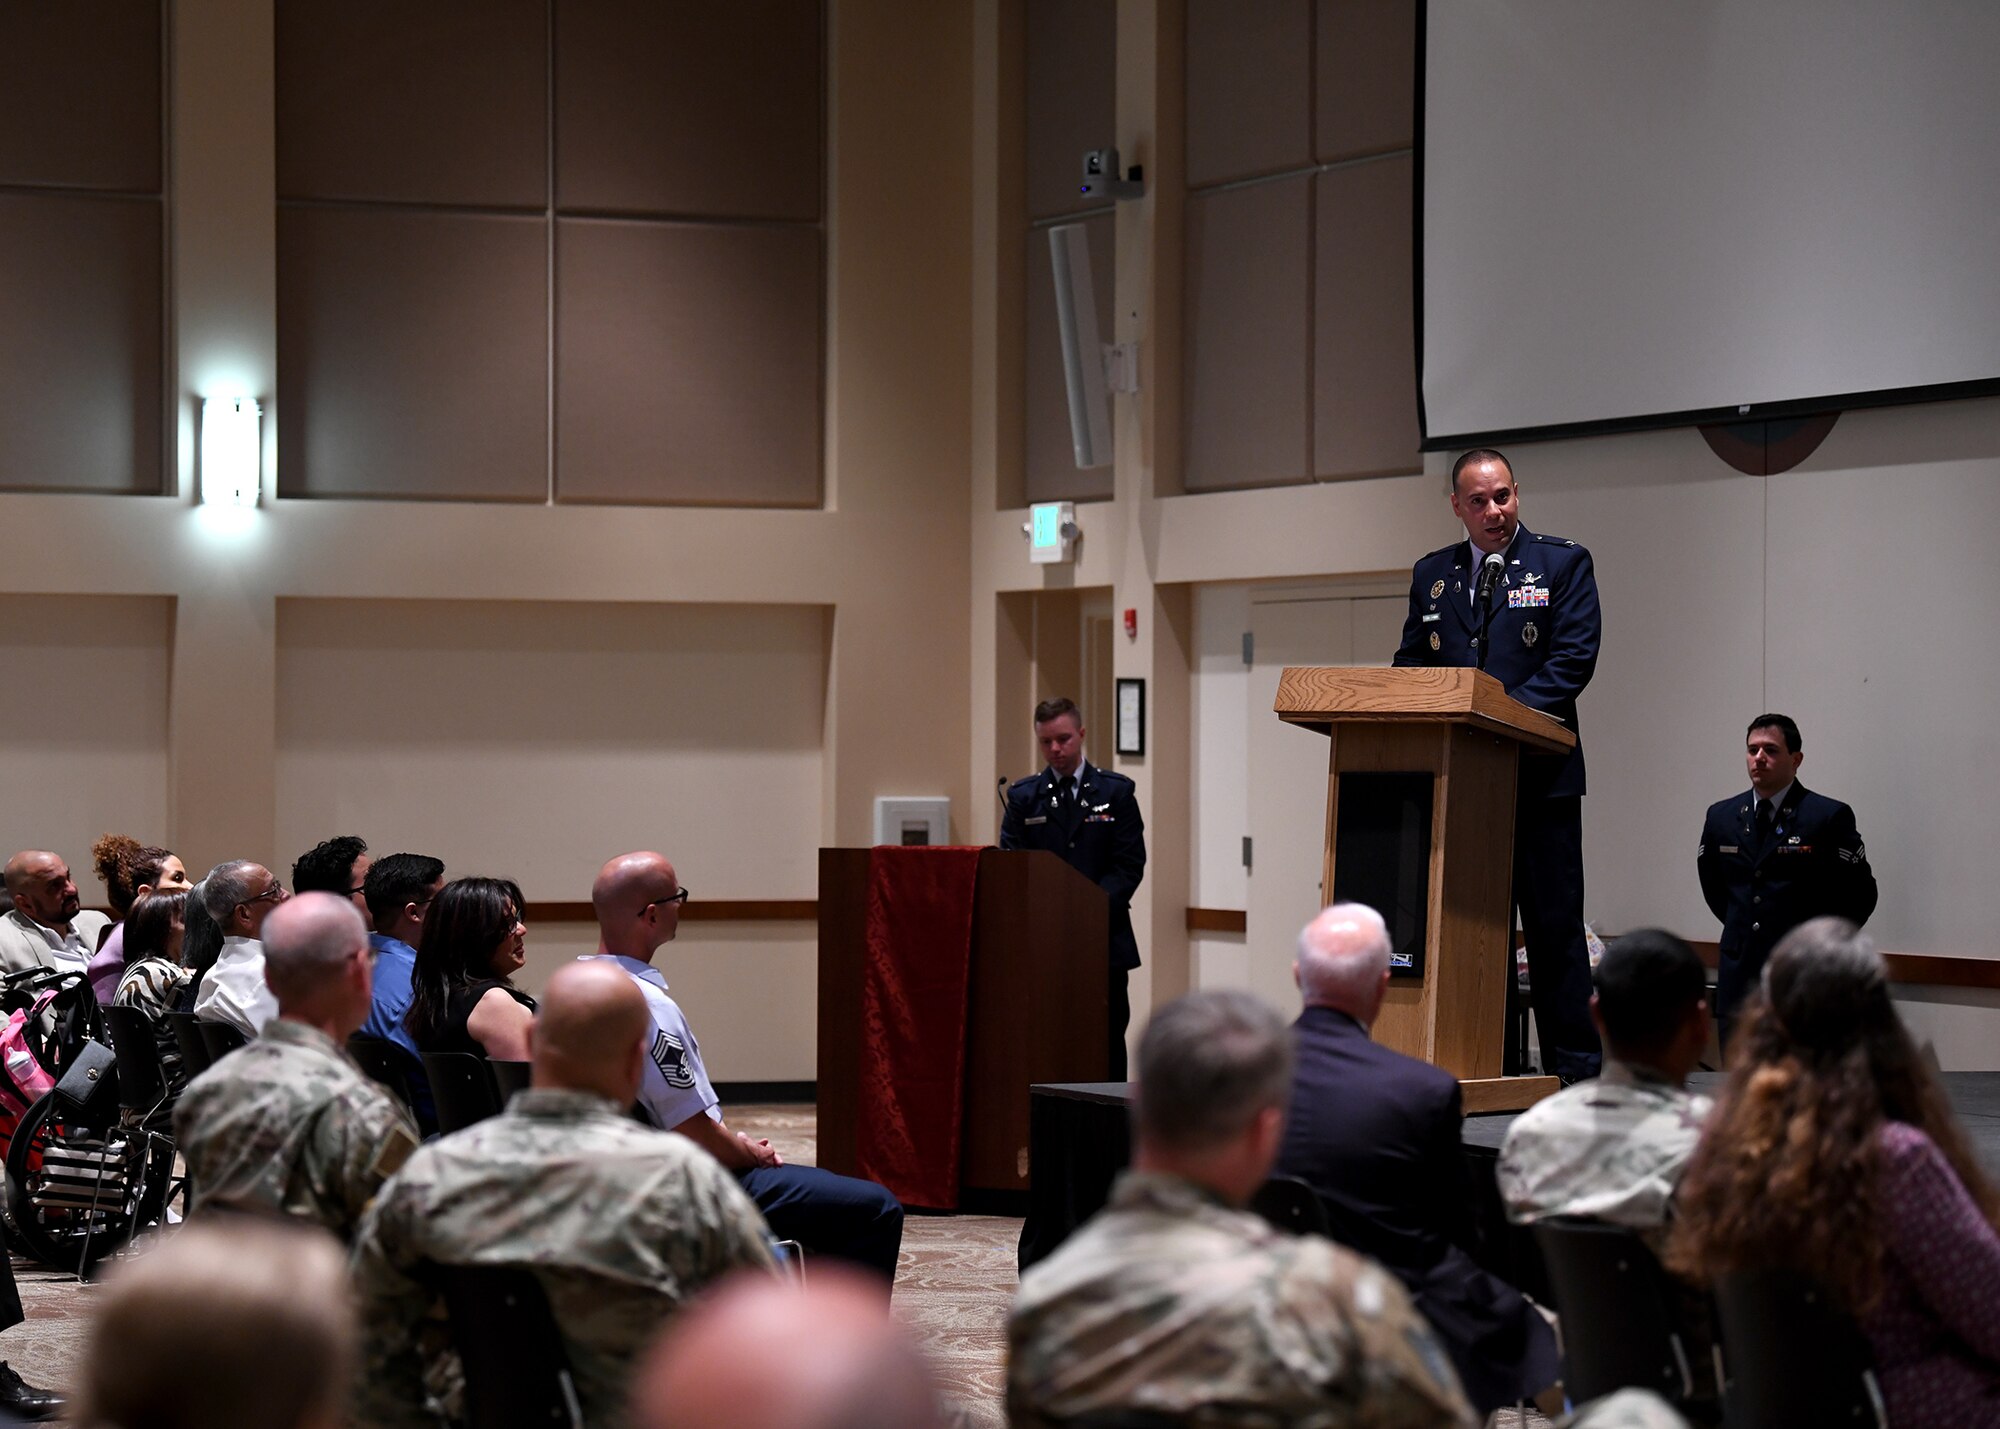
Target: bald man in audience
[(847, 1364), (638, 901), (618, 1222), (288, 1125), (47, 926), (1377, 1135)]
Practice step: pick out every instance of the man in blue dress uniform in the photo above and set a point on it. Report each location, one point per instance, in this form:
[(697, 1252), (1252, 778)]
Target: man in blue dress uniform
[(1089, 818), (1775, 856), (1541, 644)]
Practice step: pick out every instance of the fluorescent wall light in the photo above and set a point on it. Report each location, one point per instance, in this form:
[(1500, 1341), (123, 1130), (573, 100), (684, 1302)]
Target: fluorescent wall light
[(232, 451)]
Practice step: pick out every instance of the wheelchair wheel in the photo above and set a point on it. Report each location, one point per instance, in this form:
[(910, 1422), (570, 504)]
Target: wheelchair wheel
[(70, 1187)]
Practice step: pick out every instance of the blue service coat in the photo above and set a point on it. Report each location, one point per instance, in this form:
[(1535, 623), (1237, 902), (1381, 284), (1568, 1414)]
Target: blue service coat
[(1101, 836), (1813, 865), (1543, 641)]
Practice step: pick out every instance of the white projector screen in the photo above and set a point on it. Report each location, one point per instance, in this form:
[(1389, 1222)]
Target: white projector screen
[(1651, 212)]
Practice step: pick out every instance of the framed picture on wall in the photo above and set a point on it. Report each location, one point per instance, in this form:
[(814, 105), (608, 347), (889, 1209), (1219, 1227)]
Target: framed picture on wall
[(1131, 737)]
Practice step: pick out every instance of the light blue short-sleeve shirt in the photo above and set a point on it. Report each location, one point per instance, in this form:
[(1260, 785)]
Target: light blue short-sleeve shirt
[(676, 1085)]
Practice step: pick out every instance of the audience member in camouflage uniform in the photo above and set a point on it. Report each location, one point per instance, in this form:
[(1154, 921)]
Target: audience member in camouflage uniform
[(1614, 1149), (1174, 1301), (288, 1125), (619, 1222)]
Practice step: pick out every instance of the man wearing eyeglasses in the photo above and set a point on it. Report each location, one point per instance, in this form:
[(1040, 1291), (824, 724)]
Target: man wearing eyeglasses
[(239, 896), (638, 900), (338, 866)]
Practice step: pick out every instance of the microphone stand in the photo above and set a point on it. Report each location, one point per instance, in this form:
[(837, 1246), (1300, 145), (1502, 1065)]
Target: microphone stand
[(1487, 611)]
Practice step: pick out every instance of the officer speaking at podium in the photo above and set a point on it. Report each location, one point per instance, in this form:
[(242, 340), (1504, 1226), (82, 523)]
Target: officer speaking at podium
[(1089, 818), (1540, 626)]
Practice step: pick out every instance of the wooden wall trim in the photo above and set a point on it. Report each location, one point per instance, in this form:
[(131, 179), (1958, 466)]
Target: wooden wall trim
[(696, 910), (1217, 920)]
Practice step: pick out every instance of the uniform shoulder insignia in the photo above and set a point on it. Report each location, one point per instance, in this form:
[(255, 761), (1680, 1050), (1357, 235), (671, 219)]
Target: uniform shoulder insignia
[(1113, 777), (1023, 785)]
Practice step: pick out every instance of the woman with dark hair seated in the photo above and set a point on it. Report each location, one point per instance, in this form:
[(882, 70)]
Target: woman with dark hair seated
[(462, 998), (1834, 1153), (154, 979), (130, 870)]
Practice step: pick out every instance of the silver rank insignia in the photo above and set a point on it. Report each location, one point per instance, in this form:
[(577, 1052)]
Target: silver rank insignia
[(1437, 589), (1436, 643), (1530, 633)]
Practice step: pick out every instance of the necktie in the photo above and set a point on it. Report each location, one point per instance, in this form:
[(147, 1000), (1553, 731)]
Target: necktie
[(1765, 819), (1067, 795)]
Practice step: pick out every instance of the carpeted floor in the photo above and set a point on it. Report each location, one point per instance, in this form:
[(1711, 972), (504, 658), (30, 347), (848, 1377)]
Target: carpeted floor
[(956, 1280)]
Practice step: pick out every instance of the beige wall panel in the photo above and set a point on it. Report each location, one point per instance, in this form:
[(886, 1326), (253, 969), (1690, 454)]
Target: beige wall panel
[(1052, 473), (689, 361), (85, 714), (533, 741), (1366, 94), (442, 102), (1364, 343), (1244, 392), (81, 343), (80, 95), (1249, 88), (1882, 600), (750, 990), (1677, 540), (412, 354), (693, 109), (1071, 58)]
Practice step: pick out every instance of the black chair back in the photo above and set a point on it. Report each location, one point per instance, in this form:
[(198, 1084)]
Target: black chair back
[(1291, 1205), (1796, 1360), (508, 1078), (382, 1062), (142, 1082), (462, 1088), (220, 1038), (516, 1373), (1618, 1329), (194, 1051)]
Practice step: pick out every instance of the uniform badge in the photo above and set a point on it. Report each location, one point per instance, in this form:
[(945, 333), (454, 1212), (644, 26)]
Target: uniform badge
[(1436, 642), (671, 1058), (1437, 589), (1530, 633)]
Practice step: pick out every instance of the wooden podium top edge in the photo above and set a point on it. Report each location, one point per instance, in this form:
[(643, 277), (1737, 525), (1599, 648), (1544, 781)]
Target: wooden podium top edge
[(1321, 696)]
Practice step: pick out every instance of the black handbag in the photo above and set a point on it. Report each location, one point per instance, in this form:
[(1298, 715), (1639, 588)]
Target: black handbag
[(88, 1091)]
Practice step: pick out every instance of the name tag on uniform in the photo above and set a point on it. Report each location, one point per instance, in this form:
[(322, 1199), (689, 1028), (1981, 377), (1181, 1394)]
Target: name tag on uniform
[(1727, 848), (1429, 618), (1037, 819)]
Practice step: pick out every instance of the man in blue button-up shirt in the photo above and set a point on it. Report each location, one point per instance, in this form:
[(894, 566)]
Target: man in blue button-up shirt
[(399, 890)]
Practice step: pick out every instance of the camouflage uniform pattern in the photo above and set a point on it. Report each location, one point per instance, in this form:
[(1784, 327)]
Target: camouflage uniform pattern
[(1171, 1303), (1612, 1149), (288, 1125), (620, 1223)]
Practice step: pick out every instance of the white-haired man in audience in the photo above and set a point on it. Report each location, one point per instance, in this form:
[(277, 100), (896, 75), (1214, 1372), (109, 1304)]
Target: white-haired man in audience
[(1175, 1303), (239, 896), (288, 1125), (620, 1223), (48, 926), (638, 897), (1378, 1136), (847, 1362)]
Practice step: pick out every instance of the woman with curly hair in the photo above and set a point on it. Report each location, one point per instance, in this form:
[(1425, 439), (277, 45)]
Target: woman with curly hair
[(1834, 1153), (462, 997), (129, 870)]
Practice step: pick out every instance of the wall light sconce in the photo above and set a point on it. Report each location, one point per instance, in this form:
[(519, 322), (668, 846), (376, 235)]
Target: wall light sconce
[(232, 451)]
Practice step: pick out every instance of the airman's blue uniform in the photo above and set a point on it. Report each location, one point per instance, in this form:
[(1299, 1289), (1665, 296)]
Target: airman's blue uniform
[(1095, 829), (1542, 646)]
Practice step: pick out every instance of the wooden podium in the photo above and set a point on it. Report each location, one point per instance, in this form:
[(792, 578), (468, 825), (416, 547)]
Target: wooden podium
[(1037, 1002), (1420, 805)]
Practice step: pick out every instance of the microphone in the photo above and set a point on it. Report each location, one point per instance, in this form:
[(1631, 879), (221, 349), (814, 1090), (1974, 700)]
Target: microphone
[(1001, 791), (1489, 577)]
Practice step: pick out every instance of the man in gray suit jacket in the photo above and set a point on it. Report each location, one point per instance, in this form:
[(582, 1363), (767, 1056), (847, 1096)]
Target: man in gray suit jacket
[(47, 926)]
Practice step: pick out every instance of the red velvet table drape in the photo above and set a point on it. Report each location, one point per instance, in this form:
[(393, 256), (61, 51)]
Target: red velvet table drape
[(913, 1014)]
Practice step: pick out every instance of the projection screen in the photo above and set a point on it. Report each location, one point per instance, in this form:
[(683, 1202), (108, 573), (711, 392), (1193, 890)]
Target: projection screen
[(1638, 213)]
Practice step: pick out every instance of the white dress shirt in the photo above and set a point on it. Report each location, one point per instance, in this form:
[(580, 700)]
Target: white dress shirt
[(235, 991)]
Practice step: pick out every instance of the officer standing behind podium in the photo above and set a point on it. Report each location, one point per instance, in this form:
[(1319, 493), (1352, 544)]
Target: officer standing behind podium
[(1089, 818), (1542, 646), (1774, 856)]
